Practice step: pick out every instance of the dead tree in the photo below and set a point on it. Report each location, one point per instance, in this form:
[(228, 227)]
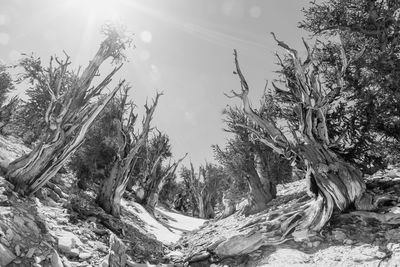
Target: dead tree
[(114, 185), (334, 183), (68, 116)]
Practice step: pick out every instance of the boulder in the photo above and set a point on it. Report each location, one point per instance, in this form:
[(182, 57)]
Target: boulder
[(6, 256), (56, 260), (67, 241)]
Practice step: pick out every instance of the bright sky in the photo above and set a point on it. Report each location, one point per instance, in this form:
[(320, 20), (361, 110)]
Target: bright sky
[(183, 48)]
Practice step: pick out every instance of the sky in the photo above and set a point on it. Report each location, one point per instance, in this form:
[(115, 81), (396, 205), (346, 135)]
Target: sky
[(182, 48)]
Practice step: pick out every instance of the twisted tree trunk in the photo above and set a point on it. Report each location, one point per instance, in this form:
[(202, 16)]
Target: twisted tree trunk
[(113, 187), (153, 191), (333, 182), (68, 117)]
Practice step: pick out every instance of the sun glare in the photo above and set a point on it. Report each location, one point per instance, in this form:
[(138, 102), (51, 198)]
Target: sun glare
[(98, 9)]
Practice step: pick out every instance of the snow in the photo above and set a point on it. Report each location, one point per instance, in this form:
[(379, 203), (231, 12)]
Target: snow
[(171, 229)]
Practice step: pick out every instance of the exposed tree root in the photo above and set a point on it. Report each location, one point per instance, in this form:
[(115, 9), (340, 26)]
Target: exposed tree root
[(294, 222)]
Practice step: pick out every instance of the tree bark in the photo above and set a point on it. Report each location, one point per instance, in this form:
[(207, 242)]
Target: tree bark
[(155, 186), (113, 187), (68, 117), (333, 182)]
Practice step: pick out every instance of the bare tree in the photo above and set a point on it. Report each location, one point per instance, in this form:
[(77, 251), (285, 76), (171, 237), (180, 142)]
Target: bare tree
[(69, 114)]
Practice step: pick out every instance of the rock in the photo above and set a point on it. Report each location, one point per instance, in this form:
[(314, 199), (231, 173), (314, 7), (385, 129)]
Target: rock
[(99, 246), (67, 241), (316, 243), (85, 255), (19, 221), (4, 241), (392, 234), (74, 252), (56, 260), (338, 235), (9, 234), (104, 262), (66, 262), (37, 259), (30, 252), (395, 210), (6, 256), (393, 247), (348, 242), (17, 250), (286, 257)]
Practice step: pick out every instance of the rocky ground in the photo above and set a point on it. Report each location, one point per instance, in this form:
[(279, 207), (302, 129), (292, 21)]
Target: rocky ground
[(62, 226), (348, 239)]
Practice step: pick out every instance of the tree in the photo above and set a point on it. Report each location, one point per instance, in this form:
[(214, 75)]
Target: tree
[(169, 192), (333, 182), (6, 84), (93, 161), (129, 145), (154, 175), (6, 109), (367, 115), (69, 113), (204, 186), (247, 159)]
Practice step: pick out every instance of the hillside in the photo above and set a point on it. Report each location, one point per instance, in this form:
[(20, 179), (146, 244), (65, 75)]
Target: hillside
[(62, 226)]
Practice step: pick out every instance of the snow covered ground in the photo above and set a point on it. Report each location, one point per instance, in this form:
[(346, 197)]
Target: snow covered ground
[(170, 228)]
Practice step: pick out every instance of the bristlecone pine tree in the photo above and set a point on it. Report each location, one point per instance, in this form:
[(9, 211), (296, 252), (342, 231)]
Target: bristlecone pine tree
[(204, 187), (250, 160), (113, 187), (69, 114), (333, 183), (368, 117), (154, 175)]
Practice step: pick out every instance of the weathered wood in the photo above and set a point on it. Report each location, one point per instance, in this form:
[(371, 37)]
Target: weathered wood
[(68, 117), (113, 187), (333, 182)]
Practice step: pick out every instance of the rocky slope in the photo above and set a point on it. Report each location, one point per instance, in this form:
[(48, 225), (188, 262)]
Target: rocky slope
[(62, 226), (350, 239)]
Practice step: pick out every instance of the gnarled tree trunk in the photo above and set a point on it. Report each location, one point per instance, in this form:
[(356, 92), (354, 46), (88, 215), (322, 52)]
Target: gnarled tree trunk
[(113, 187), (154, 191), (333, 182), (68, 117)]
